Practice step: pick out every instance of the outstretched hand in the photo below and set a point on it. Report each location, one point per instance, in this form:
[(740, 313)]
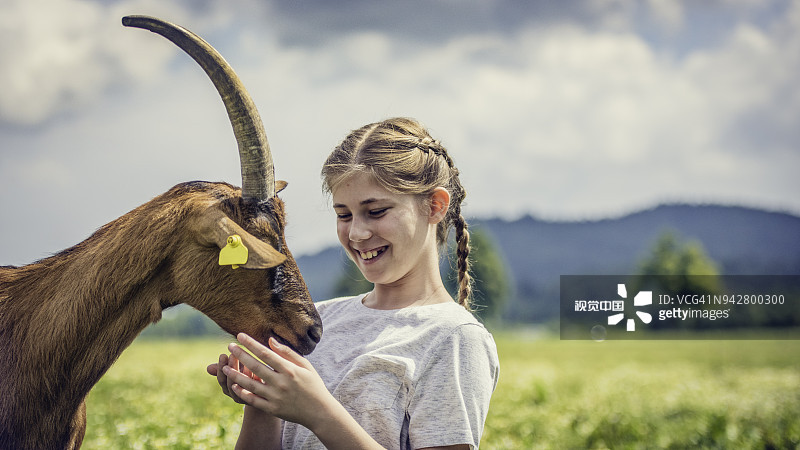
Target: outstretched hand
[(277, 381), (280, 383), (225, 383)]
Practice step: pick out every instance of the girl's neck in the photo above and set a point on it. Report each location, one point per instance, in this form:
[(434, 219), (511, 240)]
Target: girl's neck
[(406, 295)]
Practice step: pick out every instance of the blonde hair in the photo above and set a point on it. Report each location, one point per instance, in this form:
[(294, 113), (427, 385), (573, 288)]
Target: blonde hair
[(403, 158)]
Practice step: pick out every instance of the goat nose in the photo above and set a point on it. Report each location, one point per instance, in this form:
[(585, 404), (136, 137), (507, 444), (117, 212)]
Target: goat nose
[(315, 334)]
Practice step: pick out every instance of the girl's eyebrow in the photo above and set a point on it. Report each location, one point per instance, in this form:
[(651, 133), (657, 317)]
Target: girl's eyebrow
[(363, 202), (368, 201)]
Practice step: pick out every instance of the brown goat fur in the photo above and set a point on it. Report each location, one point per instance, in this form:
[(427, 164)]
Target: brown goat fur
[(64, 320)]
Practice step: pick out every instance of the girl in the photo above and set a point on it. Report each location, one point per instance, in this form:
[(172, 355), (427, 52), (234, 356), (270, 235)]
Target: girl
[(403, 366)]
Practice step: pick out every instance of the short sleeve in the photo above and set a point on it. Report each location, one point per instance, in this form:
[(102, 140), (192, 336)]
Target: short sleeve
[(450, 400)]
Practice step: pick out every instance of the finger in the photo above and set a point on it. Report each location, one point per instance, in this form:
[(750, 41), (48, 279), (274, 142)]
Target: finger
[(227, 363), (287, 353), (262, 364), (222, 380), (238, 379), (251, 366), (233, 367), (265, 354), (248, 372), (213, 369), (252, 399)]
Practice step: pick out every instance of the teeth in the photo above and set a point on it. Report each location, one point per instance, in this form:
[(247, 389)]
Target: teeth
[(369, 255)]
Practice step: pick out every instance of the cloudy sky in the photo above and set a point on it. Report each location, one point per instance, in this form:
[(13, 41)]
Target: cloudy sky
[(563, 110)]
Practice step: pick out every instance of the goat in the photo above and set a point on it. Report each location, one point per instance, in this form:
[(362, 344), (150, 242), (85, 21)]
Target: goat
[(65, 319)]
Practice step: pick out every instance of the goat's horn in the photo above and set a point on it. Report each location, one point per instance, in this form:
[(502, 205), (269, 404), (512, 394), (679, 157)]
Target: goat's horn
[(258, 173)]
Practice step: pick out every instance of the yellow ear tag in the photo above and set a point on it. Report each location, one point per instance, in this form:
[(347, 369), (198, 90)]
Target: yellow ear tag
[(234, 253)]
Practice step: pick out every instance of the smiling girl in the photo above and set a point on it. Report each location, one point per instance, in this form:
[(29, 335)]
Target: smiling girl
[(402, 366)]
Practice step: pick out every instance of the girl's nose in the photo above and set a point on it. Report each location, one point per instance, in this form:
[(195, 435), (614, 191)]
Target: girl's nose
[(359, 231)]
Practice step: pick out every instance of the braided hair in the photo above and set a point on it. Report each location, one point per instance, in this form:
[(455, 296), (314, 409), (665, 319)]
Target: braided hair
[(403, 158)]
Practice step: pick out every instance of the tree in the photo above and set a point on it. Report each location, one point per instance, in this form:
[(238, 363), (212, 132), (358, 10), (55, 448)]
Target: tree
[(679, 268), (351, 282), (492, 285)]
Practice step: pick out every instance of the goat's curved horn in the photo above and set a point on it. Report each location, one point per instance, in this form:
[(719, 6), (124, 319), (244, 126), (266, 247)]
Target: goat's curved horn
[(258, 173)]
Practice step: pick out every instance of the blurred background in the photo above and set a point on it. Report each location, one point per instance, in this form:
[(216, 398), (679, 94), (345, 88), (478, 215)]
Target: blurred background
[(593, 137), (584, 130), (573, 110)]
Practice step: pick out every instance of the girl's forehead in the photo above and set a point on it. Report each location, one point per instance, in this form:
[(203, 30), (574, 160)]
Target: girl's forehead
[(356, 182), (362, 188)]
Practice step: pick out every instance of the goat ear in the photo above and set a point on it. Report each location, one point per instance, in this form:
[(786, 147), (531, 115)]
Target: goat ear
[(215, 227), (280, 185)]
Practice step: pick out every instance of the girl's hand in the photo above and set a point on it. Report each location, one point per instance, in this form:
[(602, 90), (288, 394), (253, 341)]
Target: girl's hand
[(225, 383), (282, 383), (259, 430)]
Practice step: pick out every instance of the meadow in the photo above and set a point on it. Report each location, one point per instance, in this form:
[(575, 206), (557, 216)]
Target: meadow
[(551, 394)]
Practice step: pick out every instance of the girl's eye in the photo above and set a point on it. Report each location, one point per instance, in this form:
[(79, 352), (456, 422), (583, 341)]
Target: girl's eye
[(343, 216), (378, 212)]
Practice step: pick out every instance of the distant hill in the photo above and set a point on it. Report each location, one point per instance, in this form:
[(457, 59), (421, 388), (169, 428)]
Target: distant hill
[(742, 241)]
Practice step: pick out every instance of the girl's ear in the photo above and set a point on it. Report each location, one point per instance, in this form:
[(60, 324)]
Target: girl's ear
[(440, 203)]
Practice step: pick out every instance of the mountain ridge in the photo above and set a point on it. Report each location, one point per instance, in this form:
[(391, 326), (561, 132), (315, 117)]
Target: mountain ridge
[(741, 240)]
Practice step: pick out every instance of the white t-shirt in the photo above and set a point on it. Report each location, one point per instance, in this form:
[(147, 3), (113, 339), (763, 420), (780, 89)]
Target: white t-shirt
[(413, 377)]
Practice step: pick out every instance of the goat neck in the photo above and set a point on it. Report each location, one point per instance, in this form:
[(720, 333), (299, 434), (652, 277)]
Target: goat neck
[(64, 320)]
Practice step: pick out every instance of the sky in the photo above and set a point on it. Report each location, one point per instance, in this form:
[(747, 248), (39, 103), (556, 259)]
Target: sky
[(568, 110)]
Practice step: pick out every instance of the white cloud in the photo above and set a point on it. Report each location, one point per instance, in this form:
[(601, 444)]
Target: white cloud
[(63, 55), (561, 121), (557, 120), (667, 13)]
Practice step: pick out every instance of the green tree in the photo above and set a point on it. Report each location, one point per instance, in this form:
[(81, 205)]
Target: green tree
[(679, 268), (352, 282), (492, 285)]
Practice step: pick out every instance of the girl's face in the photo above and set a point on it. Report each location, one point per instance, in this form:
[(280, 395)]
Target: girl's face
[(388, 235)]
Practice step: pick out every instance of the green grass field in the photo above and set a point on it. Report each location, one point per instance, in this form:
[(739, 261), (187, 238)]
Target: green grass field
[(551, 394)]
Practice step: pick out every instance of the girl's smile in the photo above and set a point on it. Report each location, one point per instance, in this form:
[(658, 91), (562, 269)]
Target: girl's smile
[(370, 255), (386, 234)]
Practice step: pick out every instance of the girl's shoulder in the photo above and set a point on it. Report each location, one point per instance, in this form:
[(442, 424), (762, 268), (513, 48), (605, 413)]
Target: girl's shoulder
[(430, 322), (338, 303)]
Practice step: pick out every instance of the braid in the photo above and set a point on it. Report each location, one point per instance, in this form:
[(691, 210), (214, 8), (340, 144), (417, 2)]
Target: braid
[(430, 145), (463, 264), (454, 217)]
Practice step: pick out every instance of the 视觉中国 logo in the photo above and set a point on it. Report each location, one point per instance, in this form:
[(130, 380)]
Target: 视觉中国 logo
[(643, 298)]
